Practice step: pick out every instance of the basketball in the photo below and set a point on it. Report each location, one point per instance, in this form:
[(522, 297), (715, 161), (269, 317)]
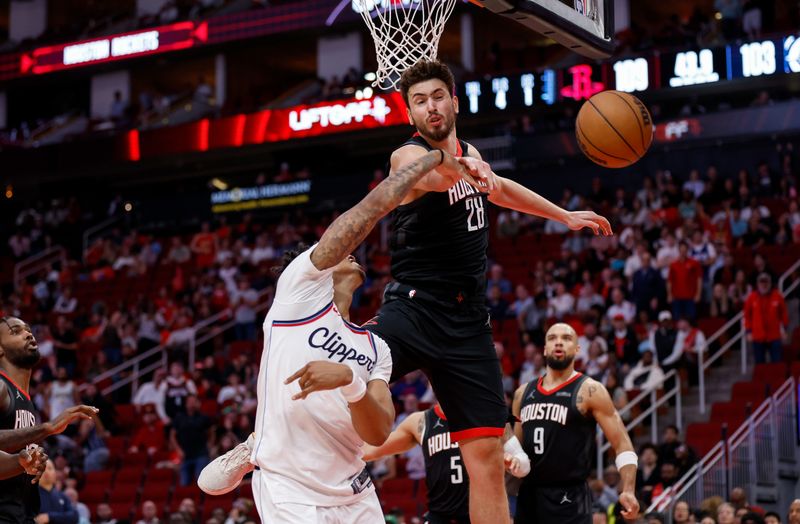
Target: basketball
[(614, 129)]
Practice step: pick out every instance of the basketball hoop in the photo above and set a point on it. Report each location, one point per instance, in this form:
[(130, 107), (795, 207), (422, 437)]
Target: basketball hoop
[(404, 31)]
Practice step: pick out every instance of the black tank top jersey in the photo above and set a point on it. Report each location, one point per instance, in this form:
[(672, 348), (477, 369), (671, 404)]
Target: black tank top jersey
[(439, 241), (445, 473), (556, 436), (19, 499)]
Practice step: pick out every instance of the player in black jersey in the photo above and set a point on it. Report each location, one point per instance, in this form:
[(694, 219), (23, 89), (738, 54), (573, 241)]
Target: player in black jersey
[(434, 315), (557, 416), (445, 476), (19, 421)]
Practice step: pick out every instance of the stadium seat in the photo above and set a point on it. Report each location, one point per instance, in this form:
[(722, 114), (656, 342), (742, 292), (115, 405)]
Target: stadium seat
[(796, 369), (160, 476), (93, 493), (703, 436), (121, 510), (129, 475), (127, 417), (123, 492), (99, 478), (773, 374), (752, 392)]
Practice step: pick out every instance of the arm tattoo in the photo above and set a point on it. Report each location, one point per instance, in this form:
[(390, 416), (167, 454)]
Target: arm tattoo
[(592, 389), (352, 227), (421, 427)]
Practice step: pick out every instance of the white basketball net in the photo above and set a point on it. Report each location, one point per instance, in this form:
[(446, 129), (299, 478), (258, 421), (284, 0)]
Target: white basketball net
[(404, 31)]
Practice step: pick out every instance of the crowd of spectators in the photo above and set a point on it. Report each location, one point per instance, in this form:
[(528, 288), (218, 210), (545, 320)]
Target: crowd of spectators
[(635, 299)]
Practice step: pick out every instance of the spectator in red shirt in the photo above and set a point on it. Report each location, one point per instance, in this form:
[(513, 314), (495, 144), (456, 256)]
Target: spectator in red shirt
[(150, 436), (765, 319), (204, 246), (684, 284)]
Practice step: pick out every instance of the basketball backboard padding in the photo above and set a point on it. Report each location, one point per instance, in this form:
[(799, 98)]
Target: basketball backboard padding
[(541, 16)]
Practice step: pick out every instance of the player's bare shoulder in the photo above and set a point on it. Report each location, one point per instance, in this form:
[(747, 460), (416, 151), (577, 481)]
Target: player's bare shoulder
[(591, 395), (517, 401)]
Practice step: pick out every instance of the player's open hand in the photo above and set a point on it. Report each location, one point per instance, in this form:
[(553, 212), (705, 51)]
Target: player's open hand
[(630, 505), (577, 220), (320, 375), (481, 171), (70, 415), (512, 465), (454, 170), (33, 461)]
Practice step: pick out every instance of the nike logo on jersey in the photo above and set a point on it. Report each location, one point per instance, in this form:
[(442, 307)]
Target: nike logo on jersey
[(332, 343), (565, 500), (545, 411)]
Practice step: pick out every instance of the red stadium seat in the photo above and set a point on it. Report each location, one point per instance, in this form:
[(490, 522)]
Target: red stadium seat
[(127, 417), (703, 436), (796, 369), (123, 492), (751, 392), (99, 478), (129, 475), (160, 476), (134, 460), (94, 493), (773, 374), (122, 510)]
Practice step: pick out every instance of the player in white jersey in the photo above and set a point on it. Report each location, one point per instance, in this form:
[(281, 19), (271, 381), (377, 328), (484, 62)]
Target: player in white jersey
[(308, 446)]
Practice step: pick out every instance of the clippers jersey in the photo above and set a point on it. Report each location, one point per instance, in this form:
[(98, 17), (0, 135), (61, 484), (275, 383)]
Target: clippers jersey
[(439, 241), (19, 499), (445, 473), (556, 436), (308, 451)]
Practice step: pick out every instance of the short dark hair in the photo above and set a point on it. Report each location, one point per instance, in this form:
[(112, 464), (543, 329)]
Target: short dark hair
[(288, 257), (772, 514), (426, 70)]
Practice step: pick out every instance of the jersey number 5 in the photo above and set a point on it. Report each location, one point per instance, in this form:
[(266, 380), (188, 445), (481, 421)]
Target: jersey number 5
[(476, 212), (457, 477)]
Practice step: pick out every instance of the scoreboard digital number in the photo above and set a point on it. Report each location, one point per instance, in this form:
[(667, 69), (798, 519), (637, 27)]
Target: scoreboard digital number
[(631, 75), (754, 59), (695, 67), (510, 92)]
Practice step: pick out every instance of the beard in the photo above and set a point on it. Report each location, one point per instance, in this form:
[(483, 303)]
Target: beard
[(559, 364), (439, 134), (25, 359)]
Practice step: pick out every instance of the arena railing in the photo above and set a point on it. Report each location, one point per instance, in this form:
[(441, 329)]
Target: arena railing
[(752, 457), (35, 263), (133, 370), (652, 402), (649, 396)]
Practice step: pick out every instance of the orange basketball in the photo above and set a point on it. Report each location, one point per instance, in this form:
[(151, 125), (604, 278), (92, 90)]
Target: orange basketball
[(614, 129)]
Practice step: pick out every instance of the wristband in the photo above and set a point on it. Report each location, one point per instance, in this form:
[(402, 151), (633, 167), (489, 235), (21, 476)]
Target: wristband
[(626, 458), (442, 160), (354, 391), (513, 447)]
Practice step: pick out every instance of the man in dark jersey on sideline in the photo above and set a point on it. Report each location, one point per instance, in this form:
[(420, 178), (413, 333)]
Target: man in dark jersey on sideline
[(558, 414), (445, 477), (19, 427), (434, 317)]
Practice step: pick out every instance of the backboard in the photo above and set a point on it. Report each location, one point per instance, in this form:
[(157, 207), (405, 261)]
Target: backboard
[(583, 26)]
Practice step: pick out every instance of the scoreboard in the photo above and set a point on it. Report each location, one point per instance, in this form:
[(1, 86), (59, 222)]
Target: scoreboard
[(657, 71)]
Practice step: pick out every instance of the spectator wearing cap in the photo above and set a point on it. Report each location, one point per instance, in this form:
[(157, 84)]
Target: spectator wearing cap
[(684, 284), (662, 340), (765, 319)]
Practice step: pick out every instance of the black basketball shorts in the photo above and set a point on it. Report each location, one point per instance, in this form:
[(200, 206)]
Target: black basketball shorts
[(455, 349), (554, 505)]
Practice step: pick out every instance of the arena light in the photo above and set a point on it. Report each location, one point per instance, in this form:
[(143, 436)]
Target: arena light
[(219, 184)]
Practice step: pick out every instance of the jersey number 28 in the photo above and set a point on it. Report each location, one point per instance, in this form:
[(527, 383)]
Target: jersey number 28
[(477, 217)]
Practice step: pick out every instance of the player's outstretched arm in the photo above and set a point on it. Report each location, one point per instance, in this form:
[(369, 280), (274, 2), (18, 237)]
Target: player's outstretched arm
[(407, 435), (12, 440), (352, 227), (594, 398), (513, 195)]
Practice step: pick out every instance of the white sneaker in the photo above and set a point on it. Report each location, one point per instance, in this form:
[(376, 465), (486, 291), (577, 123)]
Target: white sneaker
[(225, 472)]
